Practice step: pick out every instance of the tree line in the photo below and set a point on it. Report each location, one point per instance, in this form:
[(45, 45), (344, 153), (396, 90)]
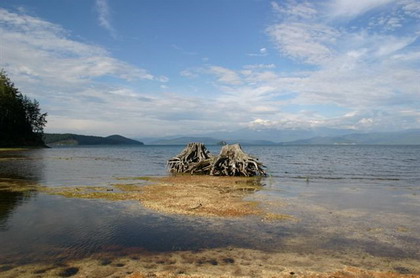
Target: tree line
[(21, 120)]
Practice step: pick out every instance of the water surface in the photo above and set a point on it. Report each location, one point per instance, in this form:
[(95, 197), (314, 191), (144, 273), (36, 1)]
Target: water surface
[(352, 198)]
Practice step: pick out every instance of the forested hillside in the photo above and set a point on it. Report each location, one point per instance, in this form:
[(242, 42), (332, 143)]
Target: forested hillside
[(68, 139), (21, 120)]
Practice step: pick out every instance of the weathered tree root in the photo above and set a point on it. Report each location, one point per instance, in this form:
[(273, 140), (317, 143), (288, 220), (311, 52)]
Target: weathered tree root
[(193, 159), (232, 161)]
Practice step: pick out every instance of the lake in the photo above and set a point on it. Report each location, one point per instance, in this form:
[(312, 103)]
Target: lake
[(348, 200)]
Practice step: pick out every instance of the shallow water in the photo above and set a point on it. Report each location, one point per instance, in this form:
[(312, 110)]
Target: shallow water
[(345, 198)]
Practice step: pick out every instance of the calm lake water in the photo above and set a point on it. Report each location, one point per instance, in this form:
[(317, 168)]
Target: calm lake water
[(352, 198)]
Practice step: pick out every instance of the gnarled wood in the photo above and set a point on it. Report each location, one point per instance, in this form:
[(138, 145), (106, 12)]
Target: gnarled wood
[(193, 159), (232, 161)]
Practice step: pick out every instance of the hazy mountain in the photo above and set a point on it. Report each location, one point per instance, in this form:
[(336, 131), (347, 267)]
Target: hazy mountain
[(277, 135), (408, 137), (268, 136), (249, 136), (69, 139), (185, 140), (207, 141)]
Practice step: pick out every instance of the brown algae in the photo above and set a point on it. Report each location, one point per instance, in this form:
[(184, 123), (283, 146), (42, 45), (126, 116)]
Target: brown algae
[(207, 196), (202, 196)]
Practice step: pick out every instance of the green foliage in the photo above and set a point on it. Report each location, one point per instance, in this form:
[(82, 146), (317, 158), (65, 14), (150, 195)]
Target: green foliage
[(21, 120)]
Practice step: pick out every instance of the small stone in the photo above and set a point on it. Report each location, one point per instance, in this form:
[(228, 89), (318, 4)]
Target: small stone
[(69, 272), (6, 268), (213, 262), (106, 262), (229, 260), (402, 270), (40, 271)]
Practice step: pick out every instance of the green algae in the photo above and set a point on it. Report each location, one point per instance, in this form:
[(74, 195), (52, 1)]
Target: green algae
[(277, 217), (111, 196), (144, 178), (127, 187), (18, 185), (12, 149)]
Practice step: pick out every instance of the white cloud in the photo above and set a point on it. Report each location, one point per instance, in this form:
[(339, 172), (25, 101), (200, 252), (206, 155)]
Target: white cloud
[(41, 51), (375, 74), (294, 9), (256, 66), (353, 8), (188, 73), (225, 75), (304, 41), (68, 77), (102, 8), (261, 53), (357, 78), (411, 7)]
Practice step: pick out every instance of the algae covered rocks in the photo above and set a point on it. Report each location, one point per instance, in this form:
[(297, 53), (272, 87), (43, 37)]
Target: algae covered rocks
[(231, 161)]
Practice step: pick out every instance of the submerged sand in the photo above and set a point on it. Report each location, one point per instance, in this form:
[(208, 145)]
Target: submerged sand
[(205, 196)]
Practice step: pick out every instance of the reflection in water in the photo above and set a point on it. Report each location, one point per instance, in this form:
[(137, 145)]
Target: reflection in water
[(25, 166), (9, 201), (20, 170)]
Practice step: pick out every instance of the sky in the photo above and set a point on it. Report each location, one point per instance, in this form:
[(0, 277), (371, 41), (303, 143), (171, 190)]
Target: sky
[(145, 68)]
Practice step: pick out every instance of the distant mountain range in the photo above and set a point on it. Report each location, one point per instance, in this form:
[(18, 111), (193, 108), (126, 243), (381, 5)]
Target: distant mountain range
[(206, 141), (251, 137), (185, 140), (409, 137), (304, 137), (68, 139)]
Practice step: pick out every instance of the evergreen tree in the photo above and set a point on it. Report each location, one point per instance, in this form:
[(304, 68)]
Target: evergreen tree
[(21, 120)]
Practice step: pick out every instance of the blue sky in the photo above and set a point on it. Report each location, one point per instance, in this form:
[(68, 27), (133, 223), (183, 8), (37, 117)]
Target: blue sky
[(158, 68)]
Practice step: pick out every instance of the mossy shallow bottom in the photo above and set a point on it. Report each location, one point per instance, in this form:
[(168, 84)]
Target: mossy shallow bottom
[(187, 195)]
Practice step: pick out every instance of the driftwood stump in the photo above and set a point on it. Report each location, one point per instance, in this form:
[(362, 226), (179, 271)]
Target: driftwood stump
[(195, 158), (232, 161)]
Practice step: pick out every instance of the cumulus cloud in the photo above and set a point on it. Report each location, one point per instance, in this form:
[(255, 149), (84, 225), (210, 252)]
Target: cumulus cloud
[(372, 71), (361, 78), (37, 49), (69, 77)]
